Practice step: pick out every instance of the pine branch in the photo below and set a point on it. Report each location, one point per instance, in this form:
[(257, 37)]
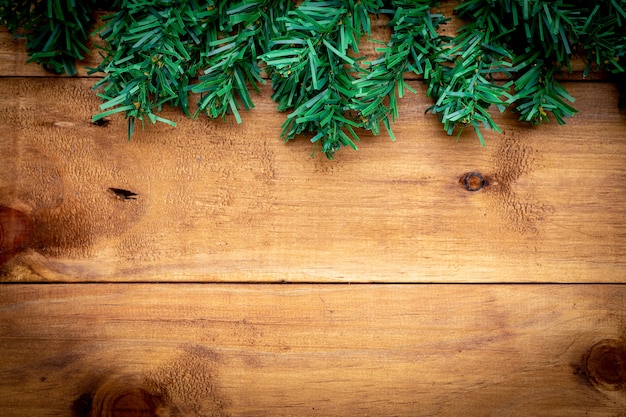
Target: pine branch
[(161, 51), (154, 51), (602, 36), (231, 60), (538, 93), (465, 88), (313, 69), (56, 31), (415, 46)]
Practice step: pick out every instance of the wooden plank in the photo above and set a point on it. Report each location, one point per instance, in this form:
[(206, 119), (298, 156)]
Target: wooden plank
[(14, 59), (224, 202), (302, 350)]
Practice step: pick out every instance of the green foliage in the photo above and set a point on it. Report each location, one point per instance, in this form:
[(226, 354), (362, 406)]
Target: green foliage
[(154, 51), (318, 72), (466, 88), (507, 53), (56, 31), (314, 70), (533, 41), (231, 56), (158, 49), (414, 46)]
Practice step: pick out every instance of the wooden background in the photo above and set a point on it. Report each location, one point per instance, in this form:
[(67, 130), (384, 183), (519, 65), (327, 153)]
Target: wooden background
[(247, 279)]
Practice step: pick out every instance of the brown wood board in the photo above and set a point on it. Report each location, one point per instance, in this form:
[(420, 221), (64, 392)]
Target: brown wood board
[(113, 233), (302, 350), (218, 201)]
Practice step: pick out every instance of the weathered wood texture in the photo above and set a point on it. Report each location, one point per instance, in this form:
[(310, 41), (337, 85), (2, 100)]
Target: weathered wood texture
[(217, 202), (221, 202), (302, 350)]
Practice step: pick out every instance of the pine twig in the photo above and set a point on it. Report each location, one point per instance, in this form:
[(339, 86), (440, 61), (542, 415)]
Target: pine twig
[(154, 52), (56, 32)]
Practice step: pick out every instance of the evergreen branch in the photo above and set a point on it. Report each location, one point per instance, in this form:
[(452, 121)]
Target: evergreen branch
[(465, 88), (231, 61), (313, 69), (543, 36), (414, 46), (154, 52), (56, 31), (602, 36), (160, 51), (537, 93)]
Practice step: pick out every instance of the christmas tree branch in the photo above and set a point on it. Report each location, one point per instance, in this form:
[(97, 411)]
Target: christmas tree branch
[(56, 32), (507, 53), (313, 68), (154, 51), (231, 60), (415, 46)]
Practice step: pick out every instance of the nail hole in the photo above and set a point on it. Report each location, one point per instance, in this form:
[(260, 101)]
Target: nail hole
[(50, 68), (102, 122), (123, 194), (473, 181)]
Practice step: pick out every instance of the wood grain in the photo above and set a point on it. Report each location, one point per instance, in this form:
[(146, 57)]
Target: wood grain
[(224, 205), (302, 350), (218, 201), (14, 59)]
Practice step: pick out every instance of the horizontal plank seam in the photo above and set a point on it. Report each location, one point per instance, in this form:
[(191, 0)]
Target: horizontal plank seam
[(308, 283)]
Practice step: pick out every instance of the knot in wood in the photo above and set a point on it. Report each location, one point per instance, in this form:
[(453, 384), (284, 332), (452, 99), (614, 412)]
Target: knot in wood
[(473, 181), (119, 398), (137, 403), (605, 365)]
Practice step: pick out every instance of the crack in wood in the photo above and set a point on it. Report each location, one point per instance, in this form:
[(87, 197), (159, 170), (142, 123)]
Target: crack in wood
[(123, 194)]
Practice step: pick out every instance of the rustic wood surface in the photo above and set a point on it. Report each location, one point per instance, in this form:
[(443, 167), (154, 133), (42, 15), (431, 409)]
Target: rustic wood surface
[(133, 275), (218, 201), (312, 350)]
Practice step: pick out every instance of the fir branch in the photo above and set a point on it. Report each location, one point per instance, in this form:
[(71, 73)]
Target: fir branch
[(550, 32), (602, 36), (415, 46), (537, 93), (154, 51), (313, 69), (160, 51), (231, 60), (543, 36), (465, 89), (56, 31)]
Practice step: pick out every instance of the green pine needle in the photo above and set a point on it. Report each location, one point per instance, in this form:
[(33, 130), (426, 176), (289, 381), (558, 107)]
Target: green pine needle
[(56, 32), (506, 54)]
